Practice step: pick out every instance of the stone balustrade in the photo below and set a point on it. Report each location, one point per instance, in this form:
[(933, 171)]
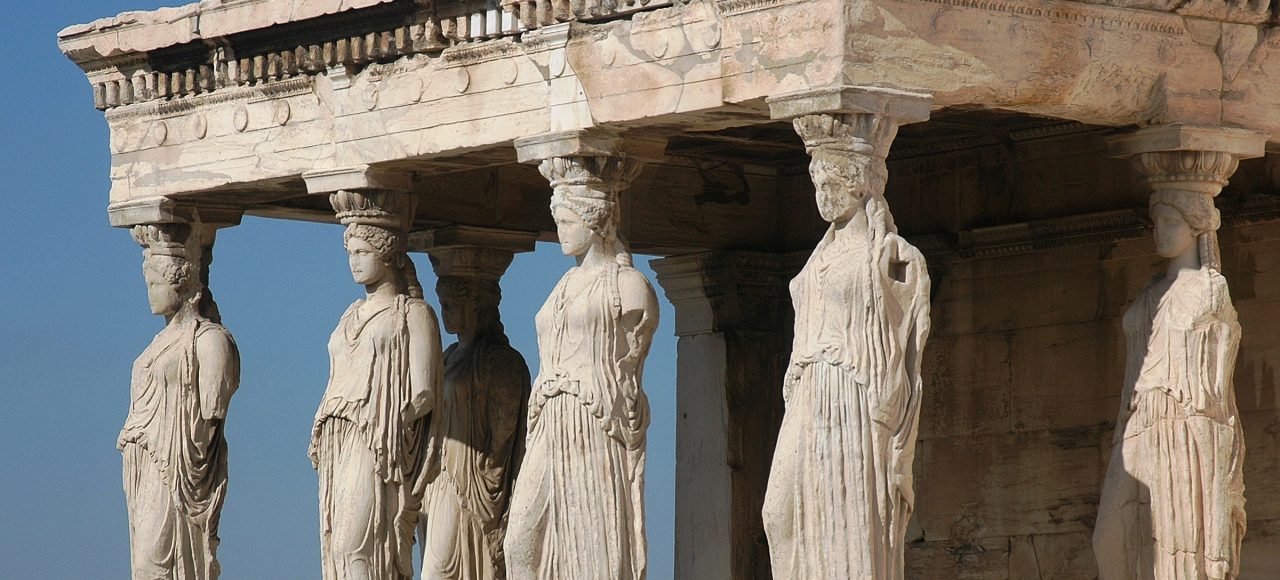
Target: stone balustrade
[(197, 62)]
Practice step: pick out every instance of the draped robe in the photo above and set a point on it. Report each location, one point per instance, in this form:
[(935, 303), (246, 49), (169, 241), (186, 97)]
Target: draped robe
[(840, 488), (369, 457), (480, 431), (1174, 490), (175, 454), (577, 511)]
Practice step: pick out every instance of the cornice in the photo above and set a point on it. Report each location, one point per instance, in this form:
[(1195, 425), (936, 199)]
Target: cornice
[(1113, 16), (158, 110), (735, 7), (1076, 231)]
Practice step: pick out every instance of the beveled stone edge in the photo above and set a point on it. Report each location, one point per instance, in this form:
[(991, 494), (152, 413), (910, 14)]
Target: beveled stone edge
[(903, 106), (167, 210), (463, 236), (593, 141), (1242, 143)]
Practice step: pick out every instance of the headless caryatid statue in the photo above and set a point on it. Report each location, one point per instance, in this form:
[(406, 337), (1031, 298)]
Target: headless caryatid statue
[(1172, 504), (480, 428), (369, 443), (175, 454), (577, 511), (840, 489)]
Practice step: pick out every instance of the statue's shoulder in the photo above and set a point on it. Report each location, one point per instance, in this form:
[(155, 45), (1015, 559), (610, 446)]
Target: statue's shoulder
[(635, 289), (904, 250), (1217, 290), (505, 356), (213, 342), (416, 305), (417, 309), (214, 333), (631, 275)]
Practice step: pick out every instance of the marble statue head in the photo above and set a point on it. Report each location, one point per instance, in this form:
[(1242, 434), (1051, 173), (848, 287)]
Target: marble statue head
[(467, 304), (585, 201), (167, 267), (373, 253), (847, 159), (376, 254), (580, 224), (1183, 220), (375, 237), (843, 181), (467, 283)]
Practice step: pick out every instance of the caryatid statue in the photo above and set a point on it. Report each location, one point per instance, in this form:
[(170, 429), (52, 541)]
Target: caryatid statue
[(577, 512), (481, 427), (175, 454), (840, 489), (369, 442), (1172, 505)]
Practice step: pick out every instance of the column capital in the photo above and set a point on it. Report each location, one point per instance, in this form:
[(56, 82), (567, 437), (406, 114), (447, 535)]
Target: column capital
[(460, 236), (1239, 143), (170, 210), (718, 291), (357, 178), (385, 208), (903, 107), (473, 262), (1187, 158), (590, 143)]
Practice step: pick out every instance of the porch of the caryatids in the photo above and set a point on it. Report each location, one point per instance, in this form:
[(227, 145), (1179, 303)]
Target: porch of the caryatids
[(175, 451), (840, 490), (1172, 505), (480, 428), (734, 319), (577, 512), (369, 442)]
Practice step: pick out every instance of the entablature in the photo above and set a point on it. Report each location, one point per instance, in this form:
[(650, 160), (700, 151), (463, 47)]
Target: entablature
[(233, 102)]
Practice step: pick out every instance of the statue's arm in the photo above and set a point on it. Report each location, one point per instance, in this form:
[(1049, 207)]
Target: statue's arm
[(426, 363), (218, 373), (639, 315), (1226, 345), (904, 267)]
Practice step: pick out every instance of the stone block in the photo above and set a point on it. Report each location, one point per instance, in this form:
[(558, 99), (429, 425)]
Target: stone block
[(1259, 359), (1261, 464), (1252, 268), (1052, 557), (986, 559), (1260, 555), (966, 385), (1018, 299), (1066, 376), (1010, 484)]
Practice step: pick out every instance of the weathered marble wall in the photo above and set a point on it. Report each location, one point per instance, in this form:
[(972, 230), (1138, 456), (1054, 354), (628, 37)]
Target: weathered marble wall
[(1023, 376)]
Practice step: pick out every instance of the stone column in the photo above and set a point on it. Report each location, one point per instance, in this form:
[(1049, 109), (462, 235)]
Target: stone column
[(481, 426), (583, 473), (840, 489), (733, 317), (1172, 503), (385, 380), (181, 389)]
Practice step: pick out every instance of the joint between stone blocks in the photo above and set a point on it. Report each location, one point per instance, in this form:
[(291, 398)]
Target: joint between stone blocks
[(903, 107), (590, 142), (168, 210), (1240, 143)]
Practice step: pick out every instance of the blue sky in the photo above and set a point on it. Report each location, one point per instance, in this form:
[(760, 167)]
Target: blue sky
[(73, 316)]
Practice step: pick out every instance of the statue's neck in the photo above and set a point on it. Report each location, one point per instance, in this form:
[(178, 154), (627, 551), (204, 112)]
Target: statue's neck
[(1188, 260), (382, 290), (853, 230), (595, 257), (184, 314)]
